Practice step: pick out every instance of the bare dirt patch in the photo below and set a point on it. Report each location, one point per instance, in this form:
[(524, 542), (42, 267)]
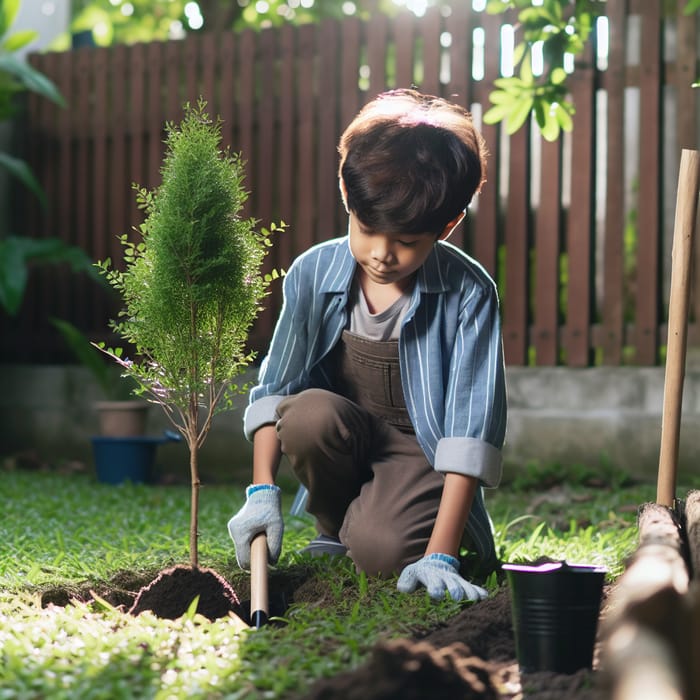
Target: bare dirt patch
[(471, 656)]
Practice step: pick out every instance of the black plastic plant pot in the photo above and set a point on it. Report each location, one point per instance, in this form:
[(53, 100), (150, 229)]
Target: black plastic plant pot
[(555, 609)]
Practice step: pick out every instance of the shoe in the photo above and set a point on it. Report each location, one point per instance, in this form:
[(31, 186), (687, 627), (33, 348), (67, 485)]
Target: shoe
[(325, 544)]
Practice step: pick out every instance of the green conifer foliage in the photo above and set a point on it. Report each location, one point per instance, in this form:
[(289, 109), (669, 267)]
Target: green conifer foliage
[(193, 285)]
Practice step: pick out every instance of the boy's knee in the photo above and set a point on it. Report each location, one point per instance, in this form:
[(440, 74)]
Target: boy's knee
[(307, 413), (376, 552)]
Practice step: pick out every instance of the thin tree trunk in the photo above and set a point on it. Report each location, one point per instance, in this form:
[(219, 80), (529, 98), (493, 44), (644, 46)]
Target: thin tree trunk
[(194, 505)]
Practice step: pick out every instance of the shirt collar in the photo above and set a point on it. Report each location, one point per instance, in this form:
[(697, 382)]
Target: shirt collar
[(431, 275), (344, 268), (431, 278)]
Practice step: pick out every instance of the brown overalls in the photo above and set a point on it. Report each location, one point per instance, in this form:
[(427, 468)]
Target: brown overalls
[(369, 481)]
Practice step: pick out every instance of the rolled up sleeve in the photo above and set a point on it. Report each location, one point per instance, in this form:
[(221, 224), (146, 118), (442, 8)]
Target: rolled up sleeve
[(471, 457), (259, 413)]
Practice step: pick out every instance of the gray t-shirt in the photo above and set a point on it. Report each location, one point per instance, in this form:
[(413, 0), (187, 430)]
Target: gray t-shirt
[(386, 325)]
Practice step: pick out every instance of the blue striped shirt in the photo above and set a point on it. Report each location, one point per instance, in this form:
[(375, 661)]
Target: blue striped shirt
[(450, 353)]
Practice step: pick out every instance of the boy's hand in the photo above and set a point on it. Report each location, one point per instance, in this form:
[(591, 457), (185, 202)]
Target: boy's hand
[(262, 512), (439, 573)]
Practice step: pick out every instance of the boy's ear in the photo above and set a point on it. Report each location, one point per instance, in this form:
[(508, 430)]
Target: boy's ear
[(452, 226), (343, 194)]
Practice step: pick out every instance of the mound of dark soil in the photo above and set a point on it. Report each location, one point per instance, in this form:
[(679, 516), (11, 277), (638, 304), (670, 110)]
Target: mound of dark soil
[(471, 657), (413, 671), (171, 593)]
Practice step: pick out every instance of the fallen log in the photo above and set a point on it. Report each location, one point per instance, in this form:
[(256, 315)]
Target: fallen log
[(692, 531), (651, 631), (637, 657)]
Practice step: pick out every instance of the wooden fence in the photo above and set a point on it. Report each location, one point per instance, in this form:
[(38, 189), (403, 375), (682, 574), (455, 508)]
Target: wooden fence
[(576, 232)]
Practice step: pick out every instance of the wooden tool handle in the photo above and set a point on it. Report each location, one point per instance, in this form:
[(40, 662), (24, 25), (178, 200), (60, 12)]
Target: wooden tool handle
[(678, 306), (259, 610)]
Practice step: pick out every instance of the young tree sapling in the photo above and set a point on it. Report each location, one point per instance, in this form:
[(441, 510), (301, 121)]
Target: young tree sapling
[(192, 286)]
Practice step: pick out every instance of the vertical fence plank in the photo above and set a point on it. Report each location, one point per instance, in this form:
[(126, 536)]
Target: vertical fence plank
[(245, 105), (648, 245), (39, 283), (547, 251), (687, 120), (265, 183), (119, 183), (486, 226), (136, 130), (429, 34), (155, 112), (579, 243), (304, 234), (349, 74), (350, 98), (285, 158), (100, 163), (34, 144), (227, 65), (515, 325), (377, 32), (190, 52), (207, 53), (99, 166), (404, 41), (173, 81), (459, 27), (686, 75), (327, 183), (28, 219), (57, 293), (81, 109), (458, 88), (612, 306)]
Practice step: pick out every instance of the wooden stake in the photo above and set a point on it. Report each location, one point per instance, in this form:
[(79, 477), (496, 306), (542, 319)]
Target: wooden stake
[(683, 235)]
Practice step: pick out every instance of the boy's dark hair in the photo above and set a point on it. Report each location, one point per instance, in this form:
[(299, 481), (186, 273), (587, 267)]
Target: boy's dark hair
[(411, 163)]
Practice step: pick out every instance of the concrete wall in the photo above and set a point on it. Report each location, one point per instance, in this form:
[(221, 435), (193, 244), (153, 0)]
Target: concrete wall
[(601, 416)]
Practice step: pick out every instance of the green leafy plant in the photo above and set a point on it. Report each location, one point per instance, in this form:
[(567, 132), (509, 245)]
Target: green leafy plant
[(17, 253), (563, 27), (192, 286), (17, 76)]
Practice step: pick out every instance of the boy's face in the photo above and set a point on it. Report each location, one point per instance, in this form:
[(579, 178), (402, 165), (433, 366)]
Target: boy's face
[(388, 258)]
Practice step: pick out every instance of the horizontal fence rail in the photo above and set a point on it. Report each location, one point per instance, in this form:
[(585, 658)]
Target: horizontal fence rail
[(576, 232)]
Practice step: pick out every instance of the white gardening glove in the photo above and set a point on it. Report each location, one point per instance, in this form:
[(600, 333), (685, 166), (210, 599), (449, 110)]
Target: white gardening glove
[(439, 573), (262, 512)]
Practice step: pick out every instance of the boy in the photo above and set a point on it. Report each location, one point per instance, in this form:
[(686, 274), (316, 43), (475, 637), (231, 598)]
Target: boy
[(384, 381)]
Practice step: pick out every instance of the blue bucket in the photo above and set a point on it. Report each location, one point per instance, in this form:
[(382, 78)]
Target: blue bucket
[(120, 459)]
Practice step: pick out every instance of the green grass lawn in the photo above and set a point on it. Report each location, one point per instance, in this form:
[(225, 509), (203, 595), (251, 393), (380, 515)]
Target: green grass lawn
[(69, 530)]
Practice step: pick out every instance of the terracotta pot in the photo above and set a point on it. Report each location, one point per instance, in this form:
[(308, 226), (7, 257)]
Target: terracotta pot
[(122, 418)]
